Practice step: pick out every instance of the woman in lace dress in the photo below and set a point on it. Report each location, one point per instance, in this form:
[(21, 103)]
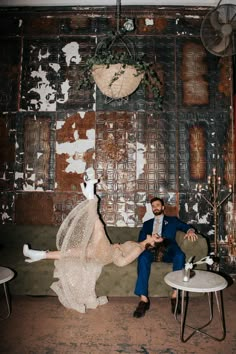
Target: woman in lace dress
[(82, 250)]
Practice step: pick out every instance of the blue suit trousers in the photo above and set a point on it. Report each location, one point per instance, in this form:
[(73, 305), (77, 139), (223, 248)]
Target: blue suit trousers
[(173, 254)]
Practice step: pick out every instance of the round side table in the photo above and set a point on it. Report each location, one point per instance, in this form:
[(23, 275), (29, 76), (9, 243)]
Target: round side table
[(201, 282), (6, 275)]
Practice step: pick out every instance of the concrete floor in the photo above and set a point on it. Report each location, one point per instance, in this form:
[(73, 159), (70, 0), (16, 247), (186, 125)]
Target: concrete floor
[(42, 325)]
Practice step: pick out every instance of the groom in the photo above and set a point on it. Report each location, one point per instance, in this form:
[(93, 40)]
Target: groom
[(165, 228)]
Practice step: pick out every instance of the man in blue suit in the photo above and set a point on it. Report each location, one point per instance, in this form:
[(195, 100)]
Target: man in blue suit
[(165, 228)]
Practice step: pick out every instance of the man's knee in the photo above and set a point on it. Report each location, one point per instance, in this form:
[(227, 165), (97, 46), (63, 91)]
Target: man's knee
[(179, 259)]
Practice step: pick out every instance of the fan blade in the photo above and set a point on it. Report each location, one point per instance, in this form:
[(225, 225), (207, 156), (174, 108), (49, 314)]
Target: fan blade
[(223, 45), (214, 20)]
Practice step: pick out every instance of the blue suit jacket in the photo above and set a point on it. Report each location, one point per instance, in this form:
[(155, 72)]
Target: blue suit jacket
[(170, 225)]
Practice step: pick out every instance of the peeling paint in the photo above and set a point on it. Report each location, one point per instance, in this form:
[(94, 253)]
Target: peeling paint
[(75, 151), (5, 216), (192, 16), (149, 21), (43, 56), (65, 86), (54, 66), (59, 124), (47, 94), (71, 51), (82, 114), (141, 161), (149, 214)]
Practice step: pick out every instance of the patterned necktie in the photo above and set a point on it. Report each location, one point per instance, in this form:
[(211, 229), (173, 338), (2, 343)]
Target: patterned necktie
[(156, 226)]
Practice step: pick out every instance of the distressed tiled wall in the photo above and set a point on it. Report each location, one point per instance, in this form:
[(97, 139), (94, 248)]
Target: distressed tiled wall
[(50, 131)]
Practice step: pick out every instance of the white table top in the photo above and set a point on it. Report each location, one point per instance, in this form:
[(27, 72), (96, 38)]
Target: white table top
[(6, 274), (202, 281)]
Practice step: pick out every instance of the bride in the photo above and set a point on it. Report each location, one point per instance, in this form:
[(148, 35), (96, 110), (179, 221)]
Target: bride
[(82, 250)]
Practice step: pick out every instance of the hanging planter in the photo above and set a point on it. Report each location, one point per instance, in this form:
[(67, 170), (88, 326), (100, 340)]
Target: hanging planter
[(116, 69), (116, 80)]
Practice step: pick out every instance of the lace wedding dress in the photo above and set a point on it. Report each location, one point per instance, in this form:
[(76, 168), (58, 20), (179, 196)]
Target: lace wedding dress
[(85, 249)]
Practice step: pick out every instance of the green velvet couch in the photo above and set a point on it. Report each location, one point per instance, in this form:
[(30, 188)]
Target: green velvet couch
[(36, 278)]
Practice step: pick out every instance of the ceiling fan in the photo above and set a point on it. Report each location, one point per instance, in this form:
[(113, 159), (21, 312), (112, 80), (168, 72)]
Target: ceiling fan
[(218, 30)]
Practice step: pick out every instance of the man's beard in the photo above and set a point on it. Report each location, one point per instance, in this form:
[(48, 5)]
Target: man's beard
[(158, 212)]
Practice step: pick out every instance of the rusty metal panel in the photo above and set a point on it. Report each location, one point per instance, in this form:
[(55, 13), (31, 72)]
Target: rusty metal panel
[(34, 208), (82, 24), (194, 70), (75, 149), (41, 25), (35, 152), (10, 25), (214, 128), (155, 25), (197, 153), (203, 80), (7, 151), (63, 203), (135, 153), (10, 61)]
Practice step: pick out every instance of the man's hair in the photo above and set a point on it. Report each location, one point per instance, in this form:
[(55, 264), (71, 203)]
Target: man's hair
[(157, 199)]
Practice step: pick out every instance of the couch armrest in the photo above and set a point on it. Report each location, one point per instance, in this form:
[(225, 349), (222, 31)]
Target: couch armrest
[(197, 249)]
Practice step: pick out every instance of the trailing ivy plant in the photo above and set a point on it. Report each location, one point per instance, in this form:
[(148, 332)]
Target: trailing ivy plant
[(106, 54)]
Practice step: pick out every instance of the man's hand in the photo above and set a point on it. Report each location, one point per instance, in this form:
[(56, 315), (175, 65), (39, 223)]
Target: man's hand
[(157, 238), (190, 235)]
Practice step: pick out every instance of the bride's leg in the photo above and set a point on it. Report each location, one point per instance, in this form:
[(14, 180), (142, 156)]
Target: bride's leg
[(53, 255), (127, 252), (35, 255)]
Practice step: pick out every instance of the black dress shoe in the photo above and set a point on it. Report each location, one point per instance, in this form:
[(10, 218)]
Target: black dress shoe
[(173, 304), (141, 309)]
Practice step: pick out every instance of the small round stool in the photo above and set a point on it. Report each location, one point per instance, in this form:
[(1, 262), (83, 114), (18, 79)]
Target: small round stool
[(6, 274)]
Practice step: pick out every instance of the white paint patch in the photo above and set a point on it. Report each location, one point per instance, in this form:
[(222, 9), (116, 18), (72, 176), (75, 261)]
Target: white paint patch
[(54, 66), (149, 22), (65, 86), (82, 114), (71, 51), (43, 56), (5, 216), (47, 94), (19, 175), (32, 177), (29, 168), (39, 154), (171, 197), (141, 161), (3, 177), (76, 135), (195, 207), (75, 151), (142, 197), (28, 187), (192, 16), (149, 214), (128, 220), (75, 166), (60, 124), (203, 219)]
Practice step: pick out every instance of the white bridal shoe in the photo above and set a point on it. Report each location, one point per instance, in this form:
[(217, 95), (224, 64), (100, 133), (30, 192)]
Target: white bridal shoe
[(89, 183), (33, 255)]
